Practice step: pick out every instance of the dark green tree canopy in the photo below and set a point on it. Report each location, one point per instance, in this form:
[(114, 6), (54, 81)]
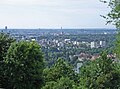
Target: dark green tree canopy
[(5, 42), (62, 83), (24, 65), (100, 74), (58, 70)]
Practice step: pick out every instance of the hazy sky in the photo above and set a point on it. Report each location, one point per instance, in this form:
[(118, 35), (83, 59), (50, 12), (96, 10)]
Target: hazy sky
[(52, 14)]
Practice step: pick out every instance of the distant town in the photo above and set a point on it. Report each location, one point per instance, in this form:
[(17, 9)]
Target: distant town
[(74, 45)]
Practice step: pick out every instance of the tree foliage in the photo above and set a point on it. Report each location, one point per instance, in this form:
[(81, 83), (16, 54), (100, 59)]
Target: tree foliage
[(58, 70), (100, 74), (24, 66), (57, 76), (114, 15), (5, 42), (62, 83)]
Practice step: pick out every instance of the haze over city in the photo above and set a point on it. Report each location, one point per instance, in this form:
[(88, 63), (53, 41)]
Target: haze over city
[(53, 14)]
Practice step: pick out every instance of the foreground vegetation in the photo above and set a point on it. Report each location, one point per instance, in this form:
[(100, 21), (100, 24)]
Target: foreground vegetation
[(22, 66)]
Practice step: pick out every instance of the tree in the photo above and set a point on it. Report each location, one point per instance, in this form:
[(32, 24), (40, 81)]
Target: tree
[(117, 45), (114, 15), (5, 42), (58, 70), (24, 66), (100, 74), (62, 83)]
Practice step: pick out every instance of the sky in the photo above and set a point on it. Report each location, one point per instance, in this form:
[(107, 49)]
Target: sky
[(53, 14)]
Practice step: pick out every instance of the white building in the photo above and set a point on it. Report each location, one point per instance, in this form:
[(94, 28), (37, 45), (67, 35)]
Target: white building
[(33, 40), (76, 43), (102, 43), (67, 40), (93, 44), (60, 44)]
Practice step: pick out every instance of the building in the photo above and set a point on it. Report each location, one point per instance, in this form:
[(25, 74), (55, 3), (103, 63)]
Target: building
[(6, 27), (102, 43), (67, 40), (60, 44), (94, 44)]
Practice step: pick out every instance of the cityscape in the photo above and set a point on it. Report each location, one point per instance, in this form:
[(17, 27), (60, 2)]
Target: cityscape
[(74, 45)]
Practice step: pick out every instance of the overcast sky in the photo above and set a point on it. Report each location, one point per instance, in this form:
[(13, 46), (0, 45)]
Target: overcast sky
[(52, 14)]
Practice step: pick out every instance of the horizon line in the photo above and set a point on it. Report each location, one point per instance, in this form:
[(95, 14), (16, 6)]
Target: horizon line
[(58, 28)]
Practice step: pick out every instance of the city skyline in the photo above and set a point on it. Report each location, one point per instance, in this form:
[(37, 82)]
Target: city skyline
[(53, 14)]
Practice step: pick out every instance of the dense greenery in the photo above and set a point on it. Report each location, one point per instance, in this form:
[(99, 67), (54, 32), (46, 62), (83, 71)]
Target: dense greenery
[(58, 70), (5, 42), (100, 74), (24, 69), (23, 66), (62, 83), (60, 76)]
